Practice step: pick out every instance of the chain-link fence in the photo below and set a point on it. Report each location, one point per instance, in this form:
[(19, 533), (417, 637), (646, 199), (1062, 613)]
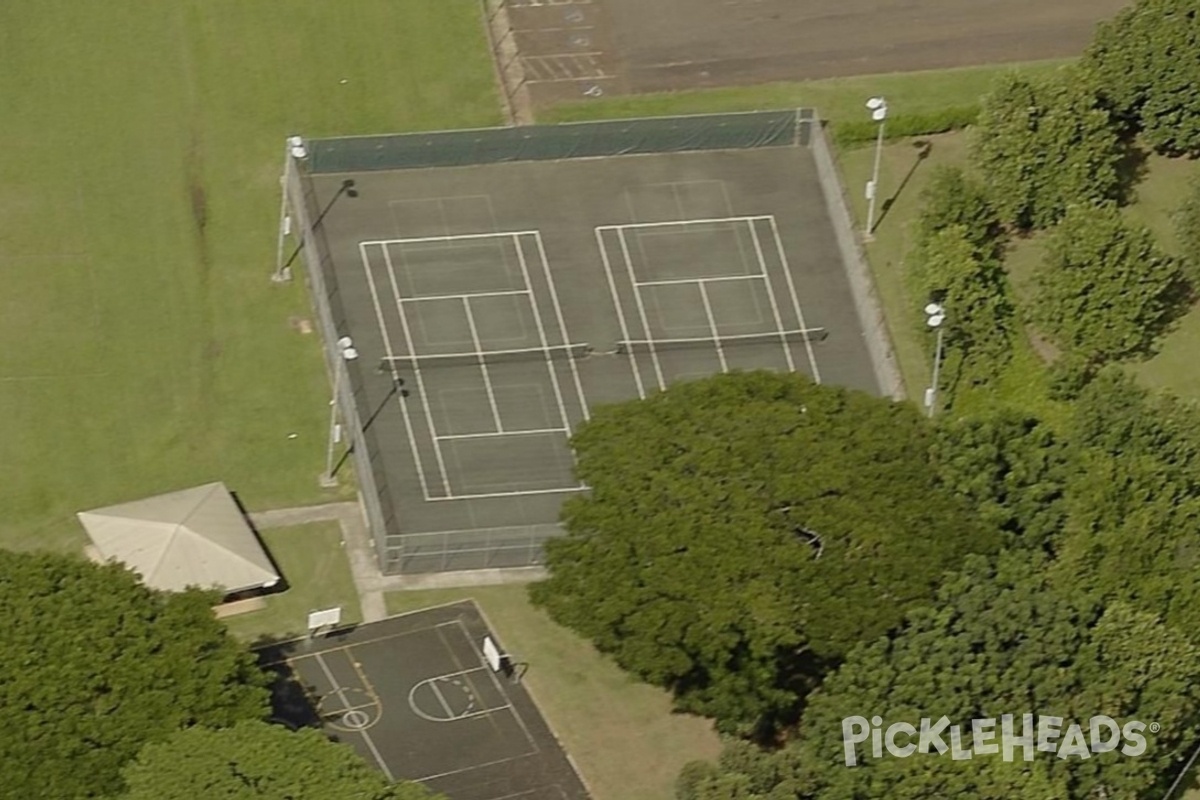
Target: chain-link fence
[(516, 546), (485, 548), (331, 319), (571, 140)]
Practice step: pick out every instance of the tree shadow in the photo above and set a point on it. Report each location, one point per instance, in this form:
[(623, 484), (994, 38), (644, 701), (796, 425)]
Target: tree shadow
[(1131, 170), (924, 148)]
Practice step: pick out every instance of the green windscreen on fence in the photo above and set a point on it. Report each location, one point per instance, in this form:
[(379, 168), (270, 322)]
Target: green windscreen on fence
[(551, 142)]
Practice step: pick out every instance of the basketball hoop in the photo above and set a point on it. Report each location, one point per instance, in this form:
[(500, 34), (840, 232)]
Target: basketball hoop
[(320, 623)]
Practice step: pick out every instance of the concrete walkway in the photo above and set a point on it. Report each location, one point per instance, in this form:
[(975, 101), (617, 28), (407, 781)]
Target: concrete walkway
[(369, 581)]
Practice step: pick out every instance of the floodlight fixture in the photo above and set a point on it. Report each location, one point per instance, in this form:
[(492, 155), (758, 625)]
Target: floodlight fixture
[(878, 108)]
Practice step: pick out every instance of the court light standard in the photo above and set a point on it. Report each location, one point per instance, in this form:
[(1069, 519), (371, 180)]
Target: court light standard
[(878, 108), (293, 149), (348, 353), (935, 316)]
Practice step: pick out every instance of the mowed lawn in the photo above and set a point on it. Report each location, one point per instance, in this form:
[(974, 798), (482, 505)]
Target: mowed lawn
[(142, 347), (621, 733), (838, 99), (316, 572), (903, 174)]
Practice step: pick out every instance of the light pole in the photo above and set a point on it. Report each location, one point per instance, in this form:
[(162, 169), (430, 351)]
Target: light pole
[(935, 316), (348, 353), (878, 108), (293, 149)]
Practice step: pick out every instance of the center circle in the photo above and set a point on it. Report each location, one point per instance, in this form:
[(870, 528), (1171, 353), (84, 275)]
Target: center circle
[(356, 719)]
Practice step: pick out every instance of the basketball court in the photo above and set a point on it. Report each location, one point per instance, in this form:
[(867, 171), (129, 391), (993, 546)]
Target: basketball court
[(493, 306), (428, 696)]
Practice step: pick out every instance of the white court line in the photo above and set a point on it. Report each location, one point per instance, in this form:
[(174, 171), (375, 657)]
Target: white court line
[(668, 223), (762, 266), (487, 378), (441, 698), (787, 272), (731, 337), (541, 329), (637, 296), (387, 347), (437, 451), (713, 279), (366, 737), (562, 325), (495, 434), (425, 297), (712, 326), (477, 353), (496, 683), (520, 493), (612, 285), (577, 79), (451, 237)]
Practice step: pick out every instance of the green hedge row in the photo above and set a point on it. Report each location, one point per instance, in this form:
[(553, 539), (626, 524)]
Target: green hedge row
[(849, 134)]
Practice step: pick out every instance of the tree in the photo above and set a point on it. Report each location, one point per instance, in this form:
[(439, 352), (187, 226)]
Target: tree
[(1145, 64), (972, 287), (1105, 289), (1134, 499), (744, 771), (1007, 639), (94, 665), (256, 761), (1011, 468), (744, 530), (1187, 231), (1043, 144), (952, 199)]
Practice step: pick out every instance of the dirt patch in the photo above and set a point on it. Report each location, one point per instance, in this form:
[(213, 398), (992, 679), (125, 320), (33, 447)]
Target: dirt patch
[(300, 325)]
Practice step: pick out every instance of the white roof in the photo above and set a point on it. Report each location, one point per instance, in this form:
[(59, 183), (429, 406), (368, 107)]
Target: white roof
[(194, 537)]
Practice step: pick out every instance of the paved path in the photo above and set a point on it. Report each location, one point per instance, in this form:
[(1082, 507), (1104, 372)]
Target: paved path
[(369, 581)]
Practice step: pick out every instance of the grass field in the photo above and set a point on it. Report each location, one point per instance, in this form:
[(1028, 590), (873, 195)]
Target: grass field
[(143, 347), (621, 733), (314, 566), (834, 98), (902, 176)]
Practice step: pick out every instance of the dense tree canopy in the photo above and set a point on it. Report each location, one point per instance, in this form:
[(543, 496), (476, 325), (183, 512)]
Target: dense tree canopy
[(950, 268), (256, 761), (742, 530), (1011, 468), (94, 665), (1000, 639), (1134, 502), (1044, 145), (1145, 64), (1105, 289), (1008, 640), (952, 198)]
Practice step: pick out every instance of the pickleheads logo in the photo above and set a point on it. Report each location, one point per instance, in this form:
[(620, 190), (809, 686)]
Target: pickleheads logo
[(984, 737)]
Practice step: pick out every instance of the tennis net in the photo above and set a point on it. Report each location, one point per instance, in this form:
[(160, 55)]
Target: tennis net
[(563, 352), (637, 346)]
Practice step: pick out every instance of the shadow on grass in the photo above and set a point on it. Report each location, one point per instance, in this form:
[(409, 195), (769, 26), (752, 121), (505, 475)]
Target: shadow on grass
[(1131, 171), (923, 148)]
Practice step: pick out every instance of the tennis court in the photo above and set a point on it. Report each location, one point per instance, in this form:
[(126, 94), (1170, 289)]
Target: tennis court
[(418, 698), (493, 305)]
